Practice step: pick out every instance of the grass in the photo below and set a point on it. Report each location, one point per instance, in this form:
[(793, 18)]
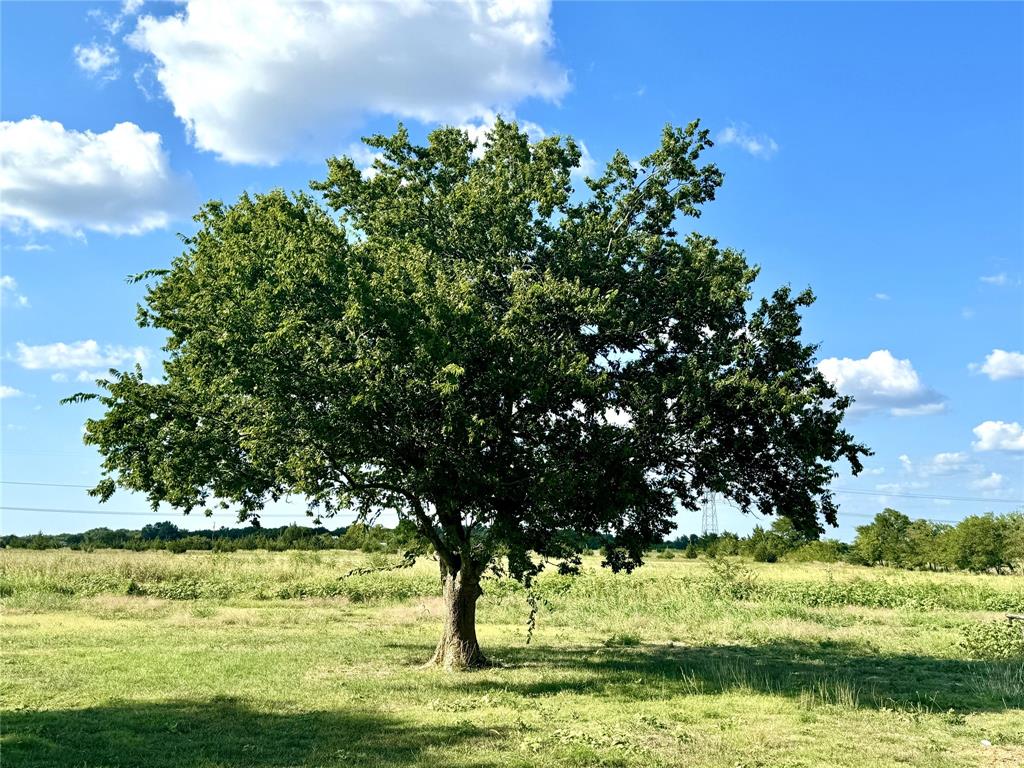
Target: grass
[(269, 660)]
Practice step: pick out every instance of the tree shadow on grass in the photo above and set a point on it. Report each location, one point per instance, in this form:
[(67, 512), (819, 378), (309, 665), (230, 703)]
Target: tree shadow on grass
[(815, 673), (223, 733)]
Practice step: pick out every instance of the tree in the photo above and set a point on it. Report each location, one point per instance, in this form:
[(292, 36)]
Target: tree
[(980, 542), (884, 540), (508, 365)]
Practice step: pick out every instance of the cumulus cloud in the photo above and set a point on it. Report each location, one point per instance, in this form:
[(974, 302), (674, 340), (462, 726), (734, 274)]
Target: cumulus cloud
[(1000, 364), (9, 295), (882, 382), (6, 392), (78, 354), (294, 77), (761, 145), (97, 60), (991, 483), (999, 436), (948, 463), (118, 182)]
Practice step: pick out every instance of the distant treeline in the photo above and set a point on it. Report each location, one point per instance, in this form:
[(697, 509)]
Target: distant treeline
[(167, 535), (986, 542), (977, 543)]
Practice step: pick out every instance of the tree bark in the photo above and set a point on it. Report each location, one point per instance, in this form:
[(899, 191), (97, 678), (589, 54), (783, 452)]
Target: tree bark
[(458, 647)]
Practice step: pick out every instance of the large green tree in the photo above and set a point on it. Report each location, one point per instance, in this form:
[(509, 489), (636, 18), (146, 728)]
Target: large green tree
[(506, 363)]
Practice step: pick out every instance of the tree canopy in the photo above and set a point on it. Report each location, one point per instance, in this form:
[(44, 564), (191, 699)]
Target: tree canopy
[(462, 337)]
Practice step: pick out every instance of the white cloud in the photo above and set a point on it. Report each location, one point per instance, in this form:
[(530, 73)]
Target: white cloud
[(913, 485), (87, 377), (1000, 279), (78, 354), (1000, 364), (759, 146), (59, 377), (882, 296), (882, 382), (948, 463), (991, 483), (874, 471), (479, 129), (364, 157), (294, 77), (9, 293), (113, 23), (925, 409), (999, 436), (6, 392), (942, 464), (117, 182), (97, 60)]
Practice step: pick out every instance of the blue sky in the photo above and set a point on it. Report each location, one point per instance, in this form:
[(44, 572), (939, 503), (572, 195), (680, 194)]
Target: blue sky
[(872, 151)]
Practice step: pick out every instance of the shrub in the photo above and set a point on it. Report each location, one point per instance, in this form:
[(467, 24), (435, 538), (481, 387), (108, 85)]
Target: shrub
[(993, 640)]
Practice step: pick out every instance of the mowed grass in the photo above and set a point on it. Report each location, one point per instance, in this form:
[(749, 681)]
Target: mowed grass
[(270, 660)]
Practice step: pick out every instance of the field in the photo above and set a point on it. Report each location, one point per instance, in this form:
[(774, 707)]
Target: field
[(270, 660)]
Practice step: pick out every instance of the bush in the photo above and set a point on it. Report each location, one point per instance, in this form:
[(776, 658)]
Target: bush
[(993, 640)]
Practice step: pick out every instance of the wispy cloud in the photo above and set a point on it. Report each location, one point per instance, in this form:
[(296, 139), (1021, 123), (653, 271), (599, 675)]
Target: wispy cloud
[(9, 294), (758, 145), (77, 354), (98, 60), (1000, 279)]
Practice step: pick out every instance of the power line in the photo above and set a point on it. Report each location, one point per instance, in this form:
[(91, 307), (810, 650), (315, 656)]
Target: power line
[(979, 499), (44, 485), (100, 512)]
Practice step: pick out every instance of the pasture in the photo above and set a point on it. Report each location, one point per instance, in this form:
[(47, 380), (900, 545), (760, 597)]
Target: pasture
[(270, 660)]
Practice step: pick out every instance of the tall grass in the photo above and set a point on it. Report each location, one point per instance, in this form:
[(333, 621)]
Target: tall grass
[(670, 588)]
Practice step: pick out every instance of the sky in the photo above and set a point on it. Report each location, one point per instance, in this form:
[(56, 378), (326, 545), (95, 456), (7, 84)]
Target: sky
[(871, 151)]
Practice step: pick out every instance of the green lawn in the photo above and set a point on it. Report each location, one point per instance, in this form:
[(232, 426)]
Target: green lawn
[(674, 665)]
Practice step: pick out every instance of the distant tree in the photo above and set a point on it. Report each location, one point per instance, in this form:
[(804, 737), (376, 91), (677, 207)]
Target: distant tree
[(820, 551), (791, 535), (884, 540), (1014, 533), (164, 531), (464, 340), (927, 545), (980, 543)]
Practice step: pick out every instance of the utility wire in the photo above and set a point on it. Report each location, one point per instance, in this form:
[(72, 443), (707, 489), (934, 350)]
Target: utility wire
[(980, 499), (930, 496), (44, 485), (100, 512)]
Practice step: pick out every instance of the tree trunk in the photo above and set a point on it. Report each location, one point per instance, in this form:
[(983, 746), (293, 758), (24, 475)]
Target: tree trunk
[(458, 647)]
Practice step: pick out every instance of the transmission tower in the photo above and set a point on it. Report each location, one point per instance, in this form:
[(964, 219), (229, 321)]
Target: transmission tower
[(709, 515)]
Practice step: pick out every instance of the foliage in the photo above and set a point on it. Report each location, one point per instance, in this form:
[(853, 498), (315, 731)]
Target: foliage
[(511, 366), (993, 640), (885, 540)]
